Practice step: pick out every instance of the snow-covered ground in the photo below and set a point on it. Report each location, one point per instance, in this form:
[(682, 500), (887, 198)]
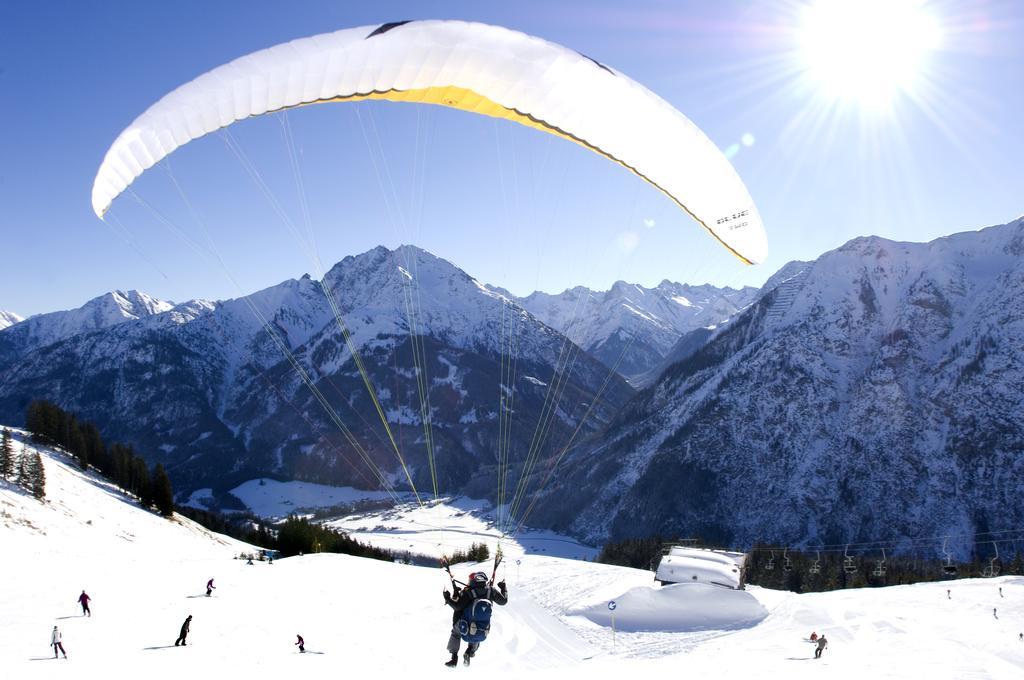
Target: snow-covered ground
[(454, 524), (362, 617), (434, 528), (272, 499)]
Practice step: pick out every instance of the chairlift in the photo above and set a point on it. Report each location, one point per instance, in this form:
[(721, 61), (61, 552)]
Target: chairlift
[(816, 567), (992, 569), (880, 566), (848, 564), (787, 566), (948, 568), (770, 565)]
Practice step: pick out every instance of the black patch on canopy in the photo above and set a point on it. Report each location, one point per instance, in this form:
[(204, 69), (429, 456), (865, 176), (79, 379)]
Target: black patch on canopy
[(599, 64), (384, 28)]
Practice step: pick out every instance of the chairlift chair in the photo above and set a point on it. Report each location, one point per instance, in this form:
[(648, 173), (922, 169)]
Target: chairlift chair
[(787, 565), (949, 569), (992, 569), (849, 566), (880, 566), (770, 564), (816, 567)]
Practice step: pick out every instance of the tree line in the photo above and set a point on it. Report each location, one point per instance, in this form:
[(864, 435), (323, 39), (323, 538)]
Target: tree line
[(804, 572), (26, 470), (294, 536), (50, 424)]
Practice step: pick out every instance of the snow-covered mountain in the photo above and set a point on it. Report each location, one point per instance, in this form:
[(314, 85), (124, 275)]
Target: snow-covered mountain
[(602, 322), (9, 319), (205, 388), (104, 311), (876, 393)]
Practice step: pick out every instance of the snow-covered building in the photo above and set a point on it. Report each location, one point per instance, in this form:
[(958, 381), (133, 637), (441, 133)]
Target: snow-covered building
[(685, 564)]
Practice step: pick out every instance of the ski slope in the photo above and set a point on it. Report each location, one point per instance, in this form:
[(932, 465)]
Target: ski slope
[(362, 617)]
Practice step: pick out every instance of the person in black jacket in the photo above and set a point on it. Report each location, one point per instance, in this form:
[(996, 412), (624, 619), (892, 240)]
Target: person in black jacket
[(478, 588), (184, 632)]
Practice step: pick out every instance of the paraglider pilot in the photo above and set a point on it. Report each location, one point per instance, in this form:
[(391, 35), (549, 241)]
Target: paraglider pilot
[(471, 619)]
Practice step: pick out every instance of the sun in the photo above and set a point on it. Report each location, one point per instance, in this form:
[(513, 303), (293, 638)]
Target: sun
[(866, 51)]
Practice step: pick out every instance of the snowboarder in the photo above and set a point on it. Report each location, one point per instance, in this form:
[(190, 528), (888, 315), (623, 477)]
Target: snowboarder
[(210, 587), (55, 642), (948, 596), (471, 619), (83, 600), (1000, 591), (814, 636), (301, 643), (822, 644), (994, 615), (184, 632)]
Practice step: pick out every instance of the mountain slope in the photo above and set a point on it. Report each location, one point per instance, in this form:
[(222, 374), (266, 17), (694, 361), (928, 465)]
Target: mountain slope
[(9, 319), (874, 394), (655, 318), (146, 574), (104, 311), (207, 390)]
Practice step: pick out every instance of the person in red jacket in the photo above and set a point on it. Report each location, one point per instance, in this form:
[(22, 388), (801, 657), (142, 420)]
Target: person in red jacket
[(83, 600)]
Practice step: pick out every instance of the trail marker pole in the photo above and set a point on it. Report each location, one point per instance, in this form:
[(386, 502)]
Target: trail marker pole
[(611, 608), (518, 562)]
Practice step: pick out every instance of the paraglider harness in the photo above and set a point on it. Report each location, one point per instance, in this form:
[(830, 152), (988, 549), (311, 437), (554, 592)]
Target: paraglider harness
[(475, 622)]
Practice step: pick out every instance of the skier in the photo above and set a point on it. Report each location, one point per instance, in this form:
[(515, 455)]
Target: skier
[(83, 600), (301, 643), (55, 642), (814, 636), (1000, 591), (210, 587), (471, 618), (184, 632), (822, 644), (994, 615), (948, 596)]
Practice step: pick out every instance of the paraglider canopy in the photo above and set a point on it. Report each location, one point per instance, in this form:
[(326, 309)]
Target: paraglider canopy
[(474, 67)]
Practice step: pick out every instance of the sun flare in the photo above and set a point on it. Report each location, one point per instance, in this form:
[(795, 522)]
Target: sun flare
[(867, 51)]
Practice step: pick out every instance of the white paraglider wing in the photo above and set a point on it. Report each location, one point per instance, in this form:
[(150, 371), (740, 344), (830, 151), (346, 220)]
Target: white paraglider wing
[(474, 67)]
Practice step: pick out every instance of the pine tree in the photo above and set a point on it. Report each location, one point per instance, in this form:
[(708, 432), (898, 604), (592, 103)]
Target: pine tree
[(24, 479), (38, 476), (6, 455), (76, 444), (141, 485), (163, 494)]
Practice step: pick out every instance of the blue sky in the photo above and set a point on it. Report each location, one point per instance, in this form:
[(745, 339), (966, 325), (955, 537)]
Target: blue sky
[(511, 206)]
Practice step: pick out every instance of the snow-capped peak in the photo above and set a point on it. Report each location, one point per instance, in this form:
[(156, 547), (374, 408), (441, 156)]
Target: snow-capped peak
[(9, 319), (107, 310), (652, 320)]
